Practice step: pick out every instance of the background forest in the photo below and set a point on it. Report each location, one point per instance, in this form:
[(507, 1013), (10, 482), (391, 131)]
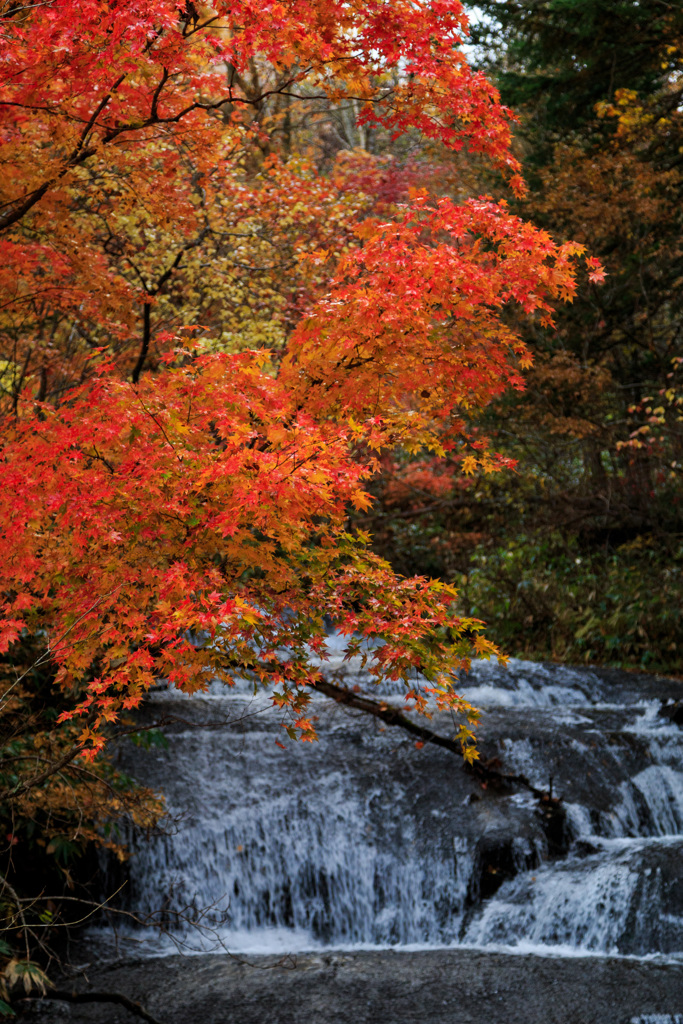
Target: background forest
[(576, 555), (567, 542)]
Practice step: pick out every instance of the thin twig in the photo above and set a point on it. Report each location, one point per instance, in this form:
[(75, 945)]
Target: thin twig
[(50, 651)]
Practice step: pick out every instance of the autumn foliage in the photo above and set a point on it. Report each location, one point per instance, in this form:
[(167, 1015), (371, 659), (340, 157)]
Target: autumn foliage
[(191, 521)]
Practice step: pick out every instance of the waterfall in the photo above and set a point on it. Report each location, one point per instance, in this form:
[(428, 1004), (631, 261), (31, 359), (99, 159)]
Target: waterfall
[(363, 841)]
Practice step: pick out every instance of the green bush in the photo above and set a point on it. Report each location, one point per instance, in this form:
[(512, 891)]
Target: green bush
[(549, 599)]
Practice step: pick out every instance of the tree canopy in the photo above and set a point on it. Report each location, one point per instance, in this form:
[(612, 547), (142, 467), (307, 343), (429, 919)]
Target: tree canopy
[(233, 284), (191, 519)]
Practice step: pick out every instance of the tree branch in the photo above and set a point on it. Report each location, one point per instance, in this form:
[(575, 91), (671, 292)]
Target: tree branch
[(41, 777), (392, 716), (80, 154), (144, 347)]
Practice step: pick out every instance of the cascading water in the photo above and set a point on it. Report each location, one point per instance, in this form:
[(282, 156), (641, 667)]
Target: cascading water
[(361, 840)]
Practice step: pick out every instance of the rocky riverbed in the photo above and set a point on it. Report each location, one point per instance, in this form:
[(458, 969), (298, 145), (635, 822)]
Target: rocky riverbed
[(429, 987)]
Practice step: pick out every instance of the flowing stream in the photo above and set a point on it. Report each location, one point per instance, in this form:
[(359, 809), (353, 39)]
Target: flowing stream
[(362, 841)]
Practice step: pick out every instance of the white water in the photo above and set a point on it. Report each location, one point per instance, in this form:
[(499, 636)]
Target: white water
[(360, 841), (610, 902)]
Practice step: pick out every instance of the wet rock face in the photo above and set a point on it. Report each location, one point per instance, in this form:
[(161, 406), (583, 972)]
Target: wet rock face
[(361, 838), (553, 816), (432, 987), (673, 710), (499, 857)]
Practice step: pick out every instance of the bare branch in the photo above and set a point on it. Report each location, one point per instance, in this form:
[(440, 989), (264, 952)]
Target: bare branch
[(392, 716)]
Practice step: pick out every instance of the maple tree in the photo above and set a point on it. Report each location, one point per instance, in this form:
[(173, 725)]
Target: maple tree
[(408, 334), (175, 504)]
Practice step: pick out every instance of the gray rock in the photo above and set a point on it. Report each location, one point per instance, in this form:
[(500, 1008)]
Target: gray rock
[(431, 987)]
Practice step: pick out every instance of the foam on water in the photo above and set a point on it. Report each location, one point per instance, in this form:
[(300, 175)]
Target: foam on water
[(652, 802), (315, 867), (329, 848), (658, 1018), (610, 902)]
